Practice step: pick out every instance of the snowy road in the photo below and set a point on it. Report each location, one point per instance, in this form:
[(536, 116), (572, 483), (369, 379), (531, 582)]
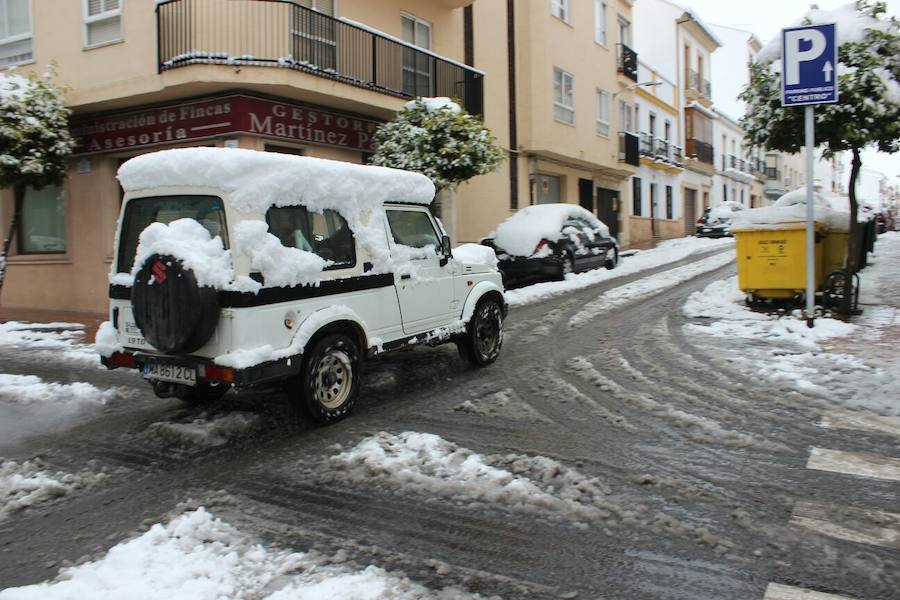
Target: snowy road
[(617, 450)]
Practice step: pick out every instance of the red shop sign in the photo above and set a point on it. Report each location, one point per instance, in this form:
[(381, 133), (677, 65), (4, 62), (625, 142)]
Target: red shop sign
[(222, 116)]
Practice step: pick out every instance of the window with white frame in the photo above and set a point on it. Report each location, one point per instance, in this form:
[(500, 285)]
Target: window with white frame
[(560, 9), (627, 116), (603, 113), (102, 21), (15, 32), (417, 74), (563, 96), (625, 31), (600, 21)]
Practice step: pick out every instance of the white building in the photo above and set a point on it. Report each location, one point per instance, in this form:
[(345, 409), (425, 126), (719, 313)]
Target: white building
[(734, 177), (679, 44)]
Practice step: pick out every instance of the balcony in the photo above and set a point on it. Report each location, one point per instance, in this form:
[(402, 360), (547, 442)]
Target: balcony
[(701, 151), (730, 161), (279, 34), (627, 62), (695, 82), (773, 173), (629, 152), (660, 150)]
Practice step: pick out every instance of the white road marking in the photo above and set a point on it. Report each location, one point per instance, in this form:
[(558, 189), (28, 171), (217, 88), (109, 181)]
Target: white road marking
[(858, 421), (872, 527), (854, 463), (776, 591)]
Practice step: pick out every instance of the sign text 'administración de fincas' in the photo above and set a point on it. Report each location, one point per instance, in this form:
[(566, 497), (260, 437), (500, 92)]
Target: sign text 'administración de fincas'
[(223, 116)]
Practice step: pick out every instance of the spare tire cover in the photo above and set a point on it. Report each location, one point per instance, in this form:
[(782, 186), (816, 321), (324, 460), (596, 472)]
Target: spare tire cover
[(173, 312)]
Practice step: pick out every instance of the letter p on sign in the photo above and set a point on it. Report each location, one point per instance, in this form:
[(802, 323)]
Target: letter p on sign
[(793, 55)]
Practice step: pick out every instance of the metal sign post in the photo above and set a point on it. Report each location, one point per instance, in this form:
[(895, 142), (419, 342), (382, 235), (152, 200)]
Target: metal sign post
[(809, 61)]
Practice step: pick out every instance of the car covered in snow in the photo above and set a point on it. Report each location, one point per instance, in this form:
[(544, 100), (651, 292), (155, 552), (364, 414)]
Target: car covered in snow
[(236, 268), (716, 221), (549, 241)]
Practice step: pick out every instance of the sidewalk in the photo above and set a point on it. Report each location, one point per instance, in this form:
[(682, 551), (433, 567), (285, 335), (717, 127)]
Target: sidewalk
[(91, 321)]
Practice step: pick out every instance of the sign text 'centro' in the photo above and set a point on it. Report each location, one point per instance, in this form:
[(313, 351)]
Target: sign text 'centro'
[(228, 115)]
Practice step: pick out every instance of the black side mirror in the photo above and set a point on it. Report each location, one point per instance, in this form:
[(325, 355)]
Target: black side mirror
[(446, 250)]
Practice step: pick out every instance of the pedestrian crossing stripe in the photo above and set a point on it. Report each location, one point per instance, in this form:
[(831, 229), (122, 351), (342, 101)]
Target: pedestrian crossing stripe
[(854, 463), (845, 419), (873, 527), (776, 591)]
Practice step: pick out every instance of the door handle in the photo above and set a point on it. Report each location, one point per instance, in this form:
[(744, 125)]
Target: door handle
[(407, 276)]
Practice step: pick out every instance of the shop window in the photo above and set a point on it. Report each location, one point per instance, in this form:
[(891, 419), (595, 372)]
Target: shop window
[(102, 22), (417, 66), (15, 32), (285, 149), (636, 200), (563, 96), (326, 234), (42, 228), (314, 34), (548, 187)]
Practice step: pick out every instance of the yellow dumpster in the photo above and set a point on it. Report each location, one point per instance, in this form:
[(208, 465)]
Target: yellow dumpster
[(771, 259), (835, 250)]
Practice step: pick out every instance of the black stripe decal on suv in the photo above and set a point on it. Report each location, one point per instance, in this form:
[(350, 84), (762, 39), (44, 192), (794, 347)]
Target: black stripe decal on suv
[(328, 287)]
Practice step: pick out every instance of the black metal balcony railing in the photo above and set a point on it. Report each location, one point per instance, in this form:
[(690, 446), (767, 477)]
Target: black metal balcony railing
[(702, 151), (733, 162), (628, 148), (646, 144), (695, 82), (660, 149), (627, 61), (706, 88), (280, 33)]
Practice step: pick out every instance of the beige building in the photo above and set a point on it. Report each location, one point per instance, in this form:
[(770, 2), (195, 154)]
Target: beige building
[(557, 75), (310, 77)]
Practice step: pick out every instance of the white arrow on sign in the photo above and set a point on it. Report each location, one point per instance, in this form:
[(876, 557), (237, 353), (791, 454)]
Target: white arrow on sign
[(827, 69)]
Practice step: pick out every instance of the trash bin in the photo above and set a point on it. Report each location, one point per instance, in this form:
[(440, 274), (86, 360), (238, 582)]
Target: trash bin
[(771, 259), (835, 250)]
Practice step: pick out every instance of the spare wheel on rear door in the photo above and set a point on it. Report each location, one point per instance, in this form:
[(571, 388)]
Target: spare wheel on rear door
[(175, 314)]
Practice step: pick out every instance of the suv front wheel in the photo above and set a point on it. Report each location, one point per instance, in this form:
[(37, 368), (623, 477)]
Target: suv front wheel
[(330, 379), (484, 334)]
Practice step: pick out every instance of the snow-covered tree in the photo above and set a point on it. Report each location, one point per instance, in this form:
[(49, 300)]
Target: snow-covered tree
[(34, 140), (437, 138), (868, 113)]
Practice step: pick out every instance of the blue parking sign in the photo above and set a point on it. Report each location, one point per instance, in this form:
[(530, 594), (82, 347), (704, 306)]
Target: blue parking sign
[(809, 60)]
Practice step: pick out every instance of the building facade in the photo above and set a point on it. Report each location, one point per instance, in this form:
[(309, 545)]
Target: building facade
[(312, 77)]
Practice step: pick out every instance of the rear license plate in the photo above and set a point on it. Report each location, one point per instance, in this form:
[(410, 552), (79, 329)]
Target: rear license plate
[(170, 373)]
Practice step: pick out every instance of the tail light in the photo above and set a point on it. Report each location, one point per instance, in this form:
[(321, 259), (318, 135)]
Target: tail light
[(700, 221), (540, 245), (223, 374)]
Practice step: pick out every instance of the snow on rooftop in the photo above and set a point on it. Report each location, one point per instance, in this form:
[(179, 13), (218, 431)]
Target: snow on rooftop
[(258, 180), (520, 234), (852, 26)]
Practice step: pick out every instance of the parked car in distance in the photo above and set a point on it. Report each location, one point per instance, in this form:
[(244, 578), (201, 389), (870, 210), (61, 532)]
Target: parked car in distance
[(235, 268), (549, 241), (716, 221)]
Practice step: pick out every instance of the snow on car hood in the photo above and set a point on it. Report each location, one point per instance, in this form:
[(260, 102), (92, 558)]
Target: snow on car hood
[(521, 233), (480, 258)]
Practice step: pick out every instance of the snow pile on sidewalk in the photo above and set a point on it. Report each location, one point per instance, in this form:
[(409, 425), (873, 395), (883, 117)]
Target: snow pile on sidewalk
[(723, 300), (29, 389), (199, 557), (23, 485), (665, 253), (64, 337)]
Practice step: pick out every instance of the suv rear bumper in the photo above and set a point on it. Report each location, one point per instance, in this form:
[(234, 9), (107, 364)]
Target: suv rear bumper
[(208, 371)]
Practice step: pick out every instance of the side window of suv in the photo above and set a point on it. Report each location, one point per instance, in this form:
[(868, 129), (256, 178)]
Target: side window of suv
[(326, 234), (413, 228)]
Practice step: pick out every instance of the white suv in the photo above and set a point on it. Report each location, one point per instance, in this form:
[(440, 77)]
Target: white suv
[(236, 268)]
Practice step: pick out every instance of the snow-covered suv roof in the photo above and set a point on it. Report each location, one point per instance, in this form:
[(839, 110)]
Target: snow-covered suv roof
[(257, 180)]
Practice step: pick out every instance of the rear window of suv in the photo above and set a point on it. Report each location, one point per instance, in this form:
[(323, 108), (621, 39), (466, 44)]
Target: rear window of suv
[(141, 212), (326, 233)]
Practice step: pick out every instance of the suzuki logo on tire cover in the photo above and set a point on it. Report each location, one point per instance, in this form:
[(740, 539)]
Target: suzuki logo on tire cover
[(159, 271)]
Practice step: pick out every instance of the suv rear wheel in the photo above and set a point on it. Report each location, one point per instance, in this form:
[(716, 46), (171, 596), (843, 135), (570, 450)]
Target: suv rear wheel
[(330, 378), (484, 334)]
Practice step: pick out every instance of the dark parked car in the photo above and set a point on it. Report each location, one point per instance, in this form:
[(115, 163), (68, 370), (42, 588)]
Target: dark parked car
[(549, 241), (716, 222)]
